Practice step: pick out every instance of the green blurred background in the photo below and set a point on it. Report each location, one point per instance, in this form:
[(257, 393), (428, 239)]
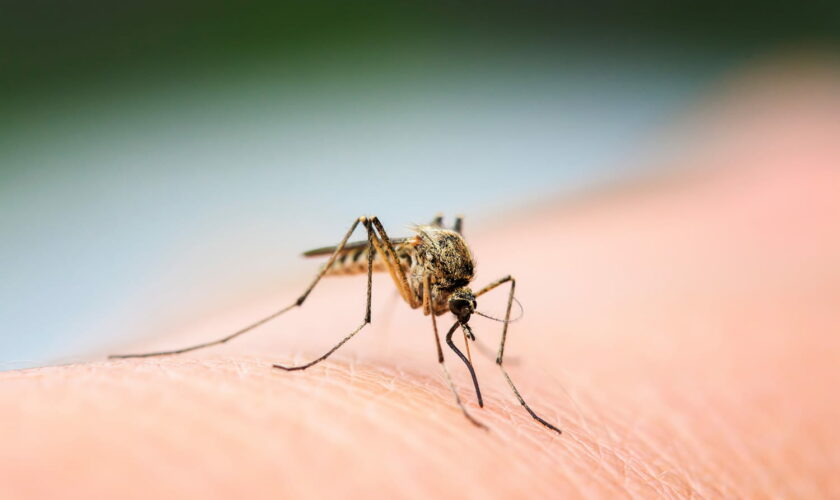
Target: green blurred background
[(161, 158)]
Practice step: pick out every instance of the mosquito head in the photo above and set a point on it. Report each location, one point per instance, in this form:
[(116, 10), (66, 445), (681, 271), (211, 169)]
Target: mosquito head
[(462, 304)]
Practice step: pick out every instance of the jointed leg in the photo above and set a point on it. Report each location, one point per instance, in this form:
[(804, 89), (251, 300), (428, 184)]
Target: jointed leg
[(367, 308), (493, 285), (500, 355), (395, 269), (427, 307), (465, 360), (268, 318)]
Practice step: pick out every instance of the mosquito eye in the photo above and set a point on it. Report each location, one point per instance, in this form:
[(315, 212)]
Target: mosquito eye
[(459, 307)]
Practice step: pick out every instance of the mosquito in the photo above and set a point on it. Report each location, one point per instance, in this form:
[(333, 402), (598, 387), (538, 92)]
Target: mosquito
[(431, 269)]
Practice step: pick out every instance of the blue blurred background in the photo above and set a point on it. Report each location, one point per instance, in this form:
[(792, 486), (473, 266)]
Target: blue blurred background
[(160, 158)]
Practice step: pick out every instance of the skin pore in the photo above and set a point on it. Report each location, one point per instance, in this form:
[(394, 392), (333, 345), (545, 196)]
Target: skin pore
[(682, 332)]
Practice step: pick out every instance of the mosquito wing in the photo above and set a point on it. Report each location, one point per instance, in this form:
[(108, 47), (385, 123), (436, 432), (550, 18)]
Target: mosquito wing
[(352, 247)]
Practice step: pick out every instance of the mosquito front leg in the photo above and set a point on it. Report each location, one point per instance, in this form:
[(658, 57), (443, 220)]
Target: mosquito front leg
[(501, 354), (268, 318), (365, 322), (427, 302)]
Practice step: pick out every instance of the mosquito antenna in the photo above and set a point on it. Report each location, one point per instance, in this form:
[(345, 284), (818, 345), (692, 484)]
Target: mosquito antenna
[(521, 313)]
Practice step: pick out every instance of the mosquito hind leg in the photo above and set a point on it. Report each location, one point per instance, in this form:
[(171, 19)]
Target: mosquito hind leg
[(466, 362), (365, 322), (427, 307), (501, 353), (268, 318), (378, 242)]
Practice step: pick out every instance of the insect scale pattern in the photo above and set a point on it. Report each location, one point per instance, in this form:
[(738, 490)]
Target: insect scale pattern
[(432, 270)]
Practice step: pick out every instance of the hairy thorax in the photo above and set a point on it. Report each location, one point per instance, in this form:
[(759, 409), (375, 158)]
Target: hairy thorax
[(445, 257)]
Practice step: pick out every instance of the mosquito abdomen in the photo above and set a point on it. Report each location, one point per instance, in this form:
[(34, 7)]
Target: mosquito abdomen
[(355, 261)]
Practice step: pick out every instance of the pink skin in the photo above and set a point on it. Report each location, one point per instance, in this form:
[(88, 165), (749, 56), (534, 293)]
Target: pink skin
[(682, 332)]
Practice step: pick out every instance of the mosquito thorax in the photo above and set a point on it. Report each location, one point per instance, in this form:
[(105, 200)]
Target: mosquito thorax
[(445, 256)]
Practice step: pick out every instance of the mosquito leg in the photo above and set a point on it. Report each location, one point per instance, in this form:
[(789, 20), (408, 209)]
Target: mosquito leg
[(395, 268), (501, 353), (493, 285), (382, 245), (427, 303), (459, 224), (437, 221), (268, 318), (466, 362), (367, 308)]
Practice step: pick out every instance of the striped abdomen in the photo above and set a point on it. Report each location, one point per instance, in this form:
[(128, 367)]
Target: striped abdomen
[(353, 258)]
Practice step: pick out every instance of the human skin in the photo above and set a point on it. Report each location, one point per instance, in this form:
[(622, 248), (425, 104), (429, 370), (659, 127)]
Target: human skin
[(681, 331)]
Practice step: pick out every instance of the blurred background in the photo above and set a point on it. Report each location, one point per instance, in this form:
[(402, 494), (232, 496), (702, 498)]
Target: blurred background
[(162, 159)]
